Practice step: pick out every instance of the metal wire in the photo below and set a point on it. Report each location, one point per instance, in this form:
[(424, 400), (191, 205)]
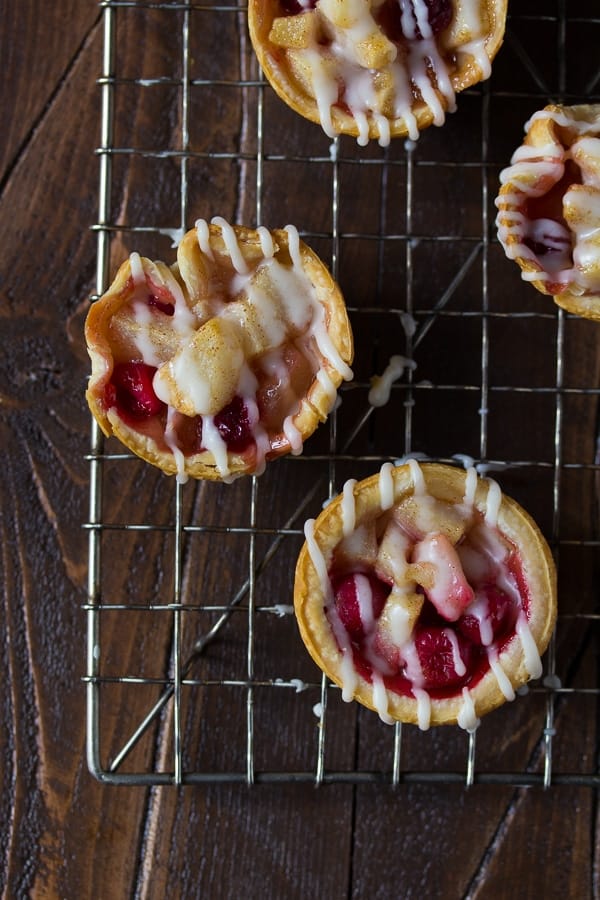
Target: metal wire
[(168, 707)]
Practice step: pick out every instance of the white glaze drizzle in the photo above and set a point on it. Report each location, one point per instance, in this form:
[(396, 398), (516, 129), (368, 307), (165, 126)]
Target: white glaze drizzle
[(348, 507), (318, 560), (421, 55), (398, 622), (203, 235), (171, 441), (294, 245), (274, 364), (531, 655), (418, 481), (423, 708), (325, 89), (326, 345), (266, 241), (565, 119), (364, 599), (137, 269), (420, 66), (300, 306), (291, 303), (380, 699), (304, 287), (232, 245), (283, 609), (479, 609), (293, 435), (501, 677), (476, 46), (347, 672), (382, 123), (470, 486), (467, 717), (400, 629), (214, 443), (144, 318), (247, 387), (386, 486), (574, 261), (457, 660), (328, 386), (493, 502), (381, 385), (183, 319), (142, 313)]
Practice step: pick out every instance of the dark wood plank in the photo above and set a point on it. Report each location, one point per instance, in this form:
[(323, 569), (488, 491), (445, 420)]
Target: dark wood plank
[(66, 834), (38, 45), (52, 810)]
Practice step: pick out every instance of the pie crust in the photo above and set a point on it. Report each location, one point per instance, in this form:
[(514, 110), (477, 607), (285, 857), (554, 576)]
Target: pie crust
[(375, 69), (549, 206), (414, 532), (225, 360)]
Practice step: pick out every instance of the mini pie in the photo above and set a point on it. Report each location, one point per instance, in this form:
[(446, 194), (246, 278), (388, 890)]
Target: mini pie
[(426, 594), (227, 359), (375, 68), (549, 206)]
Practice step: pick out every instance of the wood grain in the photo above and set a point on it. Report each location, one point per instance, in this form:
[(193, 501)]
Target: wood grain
[(63, 833)]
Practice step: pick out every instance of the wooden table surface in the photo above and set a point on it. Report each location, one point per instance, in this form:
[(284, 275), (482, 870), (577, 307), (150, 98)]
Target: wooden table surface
[(501, 375)]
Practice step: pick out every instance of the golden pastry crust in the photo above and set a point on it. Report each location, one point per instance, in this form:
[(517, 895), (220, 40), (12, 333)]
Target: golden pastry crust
[(404, 81), (204, 330), (448, 485), (549, 206)]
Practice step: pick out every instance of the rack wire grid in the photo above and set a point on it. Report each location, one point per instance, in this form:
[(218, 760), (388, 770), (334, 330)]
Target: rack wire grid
[(195, 671)]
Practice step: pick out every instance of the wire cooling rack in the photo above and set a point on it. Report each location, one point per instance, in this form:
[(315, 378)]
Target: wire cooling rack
[(195, 672)]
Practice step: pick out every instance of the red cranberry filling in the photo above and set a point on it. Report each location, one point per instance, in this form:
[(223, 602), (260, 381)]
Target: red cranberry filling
[(281, 387), (445, 657), (549, 206), (164, 306), (294, 7), (158, 296), (233, 424), (450, 654), (540, 248), (131, 391), (440, 14), (347, 591), (389, 17), (341, 102), (498, 616)]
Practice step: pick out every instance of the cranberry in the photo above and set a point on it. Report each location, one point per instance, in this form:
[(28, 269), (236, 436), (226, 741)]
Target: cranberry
[(294, 7), (450, 592), (132, 392), (389, 18), (440, 14), (498, 612), (165, 307), (537, 247), (341, 101), (233, 425), (346, 593), (436, 651), (284, 377)]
